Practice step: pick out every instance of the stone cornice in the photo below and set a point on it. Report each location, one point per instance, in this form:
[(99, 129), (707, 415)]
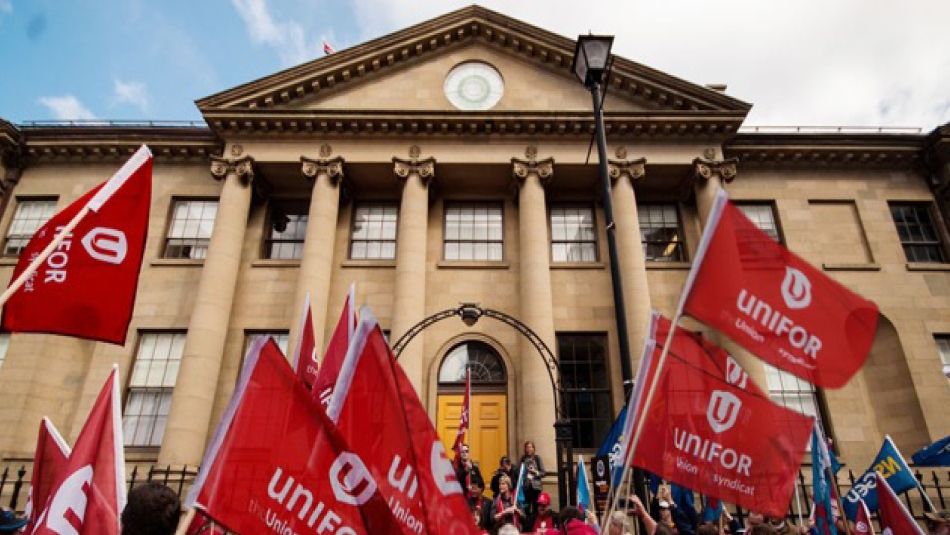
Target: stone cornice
[(826, 150), (10, 136), (116, 143), (554, 52), (700, 125)]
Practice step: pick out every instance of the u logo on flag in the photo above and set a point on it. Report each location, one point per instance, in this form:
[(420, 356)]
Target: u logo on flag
[(723, 410)]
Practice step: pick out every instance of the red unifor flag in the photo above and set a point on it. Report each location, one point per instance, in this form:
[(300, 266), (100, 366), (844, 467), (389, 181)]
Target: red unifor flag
[(862, 523), (464, 416), (86, 286), (49, 462), (202, 525), (714, 431), (336, 350), (379, 413), (894, 516), (305, 354), (88, 494), (775, 304), (274, 464)]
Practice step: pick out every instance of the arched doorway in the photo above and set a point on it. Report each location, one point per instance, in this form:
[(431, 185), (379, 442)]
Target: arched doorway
[(488, 428)]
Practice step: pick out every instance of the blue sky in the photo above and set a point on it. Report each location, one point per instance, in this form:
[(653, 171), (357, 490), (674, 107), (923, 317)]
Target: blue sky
[(808, 62)]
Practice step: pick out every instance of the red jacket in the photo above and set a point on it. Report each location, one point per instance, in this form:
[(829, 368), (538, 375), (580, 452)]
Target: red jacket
[(579, 527)]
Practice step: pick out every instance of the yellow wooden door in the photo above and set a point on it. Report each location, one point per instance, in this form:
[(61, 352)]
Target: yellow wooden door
[(488, 432)]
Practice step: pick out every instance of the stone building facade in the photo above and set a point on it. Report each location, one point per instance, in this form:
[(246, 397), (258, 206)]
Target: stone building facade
[(448, 163)]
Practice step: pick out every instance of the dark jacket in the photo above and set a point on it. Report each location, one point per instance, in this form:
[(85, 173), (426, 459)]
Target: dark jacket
[(497, 477)]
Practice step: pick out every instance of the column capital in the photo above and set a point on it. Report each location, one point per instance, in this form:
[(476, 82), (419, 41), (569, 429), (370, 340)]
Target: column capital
[(633, 169), (332, 167), (725, 170), (243, 168), (424, 168)]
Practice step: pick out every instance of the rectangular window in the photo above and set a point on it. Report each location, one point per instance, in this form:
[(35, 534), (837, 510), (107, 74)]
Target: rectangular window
[(4, 345), (763, 215), (582, 360), (374, 231), (473, 231), (286, 231), (917, 232), (943, 347), (573, 237), (660, 233), (190, 229), (790, 391), (281, 337), (30, 215), (150, 388)]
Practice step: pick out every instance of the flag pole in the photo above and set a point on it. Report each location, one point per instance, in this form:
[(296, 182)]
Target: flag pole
[(185, 521), (834, 479), (44, 254)]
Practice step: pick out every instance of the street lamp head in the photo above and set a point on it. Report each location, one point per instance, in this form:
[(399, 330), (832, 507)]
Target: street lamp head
[(470, 312), (591, 55)]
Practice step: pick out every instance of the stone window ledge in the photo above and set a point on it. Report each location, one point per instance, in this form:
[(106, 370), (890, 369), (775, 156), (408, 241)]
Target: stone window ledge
[(669, 265), (275, 263), (177, 262), (368, 264), (466, 264), (832, 266), (927, 266), (578, 265), (9, 261)]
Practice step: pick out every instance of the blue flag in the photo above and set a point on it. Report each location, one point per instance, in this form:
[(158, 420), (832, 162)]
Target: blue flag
[(519, 488), (936, 454), (611, 447), (583, 487), (712, 509), (820, 464), (889, 464)]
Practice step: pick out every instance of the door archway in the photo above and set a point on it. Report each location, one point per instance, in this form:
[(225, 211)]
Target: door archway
[(488, 418)]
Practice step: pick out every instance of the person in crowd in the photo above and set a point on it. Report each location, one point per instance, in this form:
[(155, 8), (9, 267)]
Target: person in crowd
[(762, 528), (151, 509), (784, 527), (619, 525), (533, 474), (665, 509), (938, 523), (479, 504), (545, 519), (674, 518), (754, 519), (708, 528), (505, 507), (508, 529), (466, 470), (504, 469), (574, 522), (9, 522)]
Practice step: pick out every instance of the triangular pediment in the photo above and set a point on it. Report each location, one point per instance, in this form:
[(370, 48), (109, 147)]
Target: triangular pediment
[(406, 70)]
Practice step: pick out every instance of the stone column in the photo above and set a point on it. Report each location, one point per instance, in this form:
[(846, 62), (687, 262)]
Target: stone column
[(192, 401), (636, 293), (708, 178), (409, 302), (316, 265), (536, 398)]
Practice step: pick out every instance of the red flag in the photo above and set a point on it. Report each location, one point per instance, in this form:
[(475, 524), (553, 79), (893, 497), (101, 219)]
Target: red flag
[(327, 49), (894, 516), (305, 354), (862, 523), (87, 496), (274, 466), (463, 418), (714, 431), (775, 304), (202, 525), (377, 409), (336, 350), (49, 461), (86, 287)]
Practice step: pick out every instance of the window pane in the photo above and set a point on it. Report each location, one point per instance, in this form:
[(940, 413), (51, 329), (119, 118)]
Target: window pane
[(4, 345), (582, 362), (473, 231), (30, 215), (190, 229), (373, 236), (660, 233), (573, 238), (918, 232), (763, 215)]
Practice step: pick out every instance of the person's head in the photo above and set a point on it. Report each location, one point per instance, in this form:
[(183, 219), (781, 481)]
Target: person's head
[(528, 447), (508, 529), (707, 528), (617, 524), (544, 503), (777, 522), (504, 485), (567, 514), (463, 451), (152, 509), (938, 523), (9, 523), (664, 493), (476, 487), (666, 516), (505, 462), (761, 529), (755, 519)]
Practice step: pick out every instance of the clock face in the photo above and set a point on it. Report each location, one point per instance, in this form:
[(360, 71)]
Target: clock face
[(474, 85)]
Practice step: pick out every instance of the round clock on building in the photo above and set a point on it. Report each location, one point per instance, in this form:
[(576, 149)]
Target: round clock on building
[(474, 86)]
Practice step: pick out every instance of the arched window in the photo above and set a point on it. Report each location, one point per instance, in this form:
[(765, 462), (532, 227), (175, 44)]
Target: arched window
[(485, 363)]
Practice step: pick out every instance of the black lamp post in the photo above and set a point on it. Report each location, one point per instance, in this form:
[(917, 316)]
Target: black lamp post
[(591, 61)]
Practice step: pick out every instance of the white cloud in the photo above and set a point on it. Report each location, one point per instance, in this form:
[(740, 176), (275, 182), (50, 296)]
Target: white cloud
[(808, 62), (133, 93), (67, 108), (287, 37)]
